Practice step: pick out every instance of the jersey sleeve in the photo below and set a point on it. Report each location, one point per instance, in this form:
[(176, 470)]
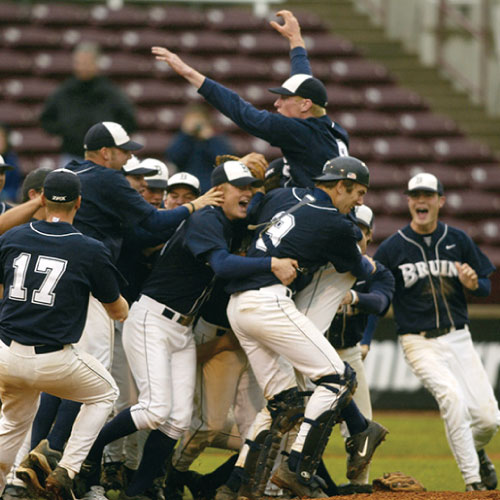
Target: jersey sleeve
[(299, 61), (105, 279), (476, 258), (205, 233)]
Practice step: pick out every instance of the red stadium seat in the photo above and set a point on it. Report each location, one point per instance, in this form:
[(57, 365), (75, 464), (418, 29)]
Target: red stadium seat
[(400, 150), (157, 92), (29, 89), (224, 68), (387, 176), (451, 176), (126, 15), (119, 64), (392, 98), (488, 231), (426, 124), (393, 202), (59, 14), (460, 150), (343, 98), (310, 22), (34, 140), (17, 115), (137, 39), (106, 39), (237, 20), (385, 226), (361, 150), (264, 44), (257, 93), (209, 42), (14, 13), (15, 63), (29, 162), (358, 72), (364, 123), (175, 18), (493, 253), (485, 176), (167, 118), (471, 204), (243, 144), (17, 37), (325, 45), (154, 142), (53, 63)]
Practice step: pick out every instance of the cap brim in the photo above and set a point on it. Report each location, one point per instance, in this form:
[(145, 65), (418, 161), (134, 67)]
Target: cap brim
[(6, 166), (146, 172), (130, 146), (429, 190), (280, 91), (247, 181), (157, 184), (183, 184)]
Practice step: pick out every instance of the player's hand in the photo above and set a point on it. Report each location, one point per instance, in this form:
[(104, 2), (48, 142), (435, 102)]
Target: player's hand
[(179, 66), (364, 350), (467, 276), (372, 262), (284, 269), (347, 300), (290, 28), (256, 163)]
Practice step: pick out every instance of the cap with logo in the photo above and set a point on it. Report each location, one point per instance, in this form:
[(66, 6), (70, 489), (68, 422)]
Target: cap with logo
[(160, 179), (305, 86), (364, 215), (34, 180), (61, 186), (5, 166), (135, 167), (185, 179), (425, 182), (108, 135), (345, 168), (234, 172)]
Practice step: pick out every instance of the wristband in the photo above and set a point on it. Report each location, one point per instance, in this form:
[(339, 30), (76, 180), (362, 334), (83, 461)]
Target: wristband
[(192, 206), (354, 297)]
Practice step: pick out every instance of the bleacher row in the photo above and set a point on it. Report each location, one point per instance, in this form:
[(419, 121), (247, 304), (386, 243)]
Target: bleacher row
[(391, 128)]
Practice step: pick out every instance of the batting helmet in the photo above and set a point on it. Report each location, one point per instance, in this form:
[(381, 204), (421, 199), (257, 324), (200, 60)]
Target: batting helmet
[(345, 167)]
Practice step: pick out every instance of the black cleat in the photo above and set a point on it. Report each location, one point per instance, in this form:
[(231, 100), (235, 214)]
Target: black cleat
[(487, 471)]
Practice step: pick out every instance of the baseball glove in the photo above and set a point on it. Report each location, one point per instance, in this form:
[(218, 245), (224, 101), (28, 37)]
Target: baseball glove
[(397, 481), (256, 163)]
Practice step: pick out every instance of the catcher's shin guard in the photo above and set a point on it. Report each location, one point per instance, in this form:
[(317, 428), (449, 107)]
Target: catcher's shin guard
[(321, 428), (286, 409)]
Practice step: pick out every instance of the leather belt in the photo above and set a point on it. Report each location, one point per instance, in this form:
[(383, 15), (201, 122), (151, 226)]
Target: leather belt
[(438, 332), (278, 289), (177, 317), (39, 349)]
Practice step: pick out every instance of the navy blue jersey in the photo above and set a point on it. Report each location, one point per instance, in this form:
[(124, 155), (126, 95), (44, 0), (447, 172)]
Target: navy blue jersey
[(181, 276), (375, 294), (214, 309), (306, 143), (48, 271), (109, 205), (428, 292), (4, 207), (315, 234)]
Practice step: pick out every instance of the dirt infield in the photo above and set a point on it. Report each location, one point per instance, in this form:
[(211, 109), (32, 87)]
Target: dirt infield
[(425, 495)]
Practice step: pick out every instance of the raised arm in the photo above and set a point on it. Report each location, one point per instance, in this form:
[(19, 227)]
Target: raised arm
[(183, 69), (290, 29)]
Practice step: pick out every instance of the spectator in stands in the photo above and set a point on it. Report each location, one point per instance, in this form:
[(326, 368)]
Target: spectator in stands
[(13, 174), (83, 100), (195, 147)]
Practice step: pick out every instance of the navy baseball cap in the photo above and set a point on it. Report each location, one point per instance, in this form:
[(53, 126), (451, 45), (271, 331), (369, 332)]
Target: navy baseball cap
[(108, 135), (5, 166), (234, 172), (34, 180), (305, 86), (61, 185), (425, 182)]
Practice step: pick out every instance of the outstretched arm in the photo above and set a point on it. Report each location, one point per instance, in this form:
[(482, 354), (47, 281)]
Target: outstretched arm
[(194, 77), (290, 29)]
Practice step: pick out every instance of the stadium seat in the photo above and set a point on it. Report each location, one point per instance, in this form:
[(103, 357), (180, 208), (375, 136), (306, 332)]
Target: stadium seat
[(230, 68), (343, 98), (400, 150), (310, 22), (28, 89), (119, 64), (358, 72), (243, 144), (154, 142), (61, 14), (257, 93), (426, 124), (471, 204), (29, 162), (14, 13), (325, 45), (141, 40), (264, 44), (485, 176), (236, 20), (451, 176), (107, 40), (174, 18), (127, 15), (34, 140), (15, 63), (393, 202), (17, 114), (156, 92), (361, 150), (386, 225), (209, 42), (392, 98), (383, 176), (52, 63), (30, 37), (488, 231), (493, 253), (467, 226), (460, 150), (365, 123)]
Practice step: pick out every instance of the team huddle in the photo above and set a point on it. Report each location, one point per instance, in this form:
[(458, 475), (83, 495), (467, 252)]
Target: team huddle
[(142, 322)]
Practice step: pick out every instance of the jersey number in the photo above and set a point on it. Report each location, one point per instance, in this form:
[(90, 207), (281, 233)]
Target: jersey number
[(283, 225), (51, 267)]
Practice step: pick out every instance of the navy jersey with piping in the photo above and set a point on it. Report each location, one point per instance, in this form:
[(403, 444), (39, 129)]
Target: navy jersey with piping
[(428, 292), (306, 143), (314, 234), (109, 205), (48, 271), (375, 293)]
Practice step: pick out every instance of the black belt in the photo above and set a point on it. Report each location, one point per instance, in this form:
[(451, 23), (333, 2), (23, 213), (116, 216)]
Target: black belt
[(39, 349), (438, 332), (181, 319)]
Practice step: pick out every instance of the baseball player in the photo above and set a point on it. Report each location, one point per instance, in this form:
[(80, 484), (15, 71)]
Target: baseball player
[(303, 224), (48, 269), (4, 167), (181, 188), (156, 185), (352, 329), (434, 265), (301, 128), (164, 365)]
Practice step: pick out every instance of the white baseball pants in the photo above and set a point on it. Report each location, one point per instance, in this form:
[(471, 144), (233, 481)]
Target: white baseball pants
[(450, 368), (68, 374)]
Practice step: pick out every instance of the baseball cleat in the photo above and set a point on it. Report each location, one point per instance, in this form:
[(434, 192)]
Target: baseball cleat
[(288, 480), (95, 493), (113, 479), (487, 471), (36, 466), (475, 487), (224, 492), (59, 485), (360, 448)]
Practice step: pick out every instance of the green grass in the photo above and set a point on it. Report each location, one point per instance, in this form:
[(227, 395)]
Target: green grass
[(416, 445)]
